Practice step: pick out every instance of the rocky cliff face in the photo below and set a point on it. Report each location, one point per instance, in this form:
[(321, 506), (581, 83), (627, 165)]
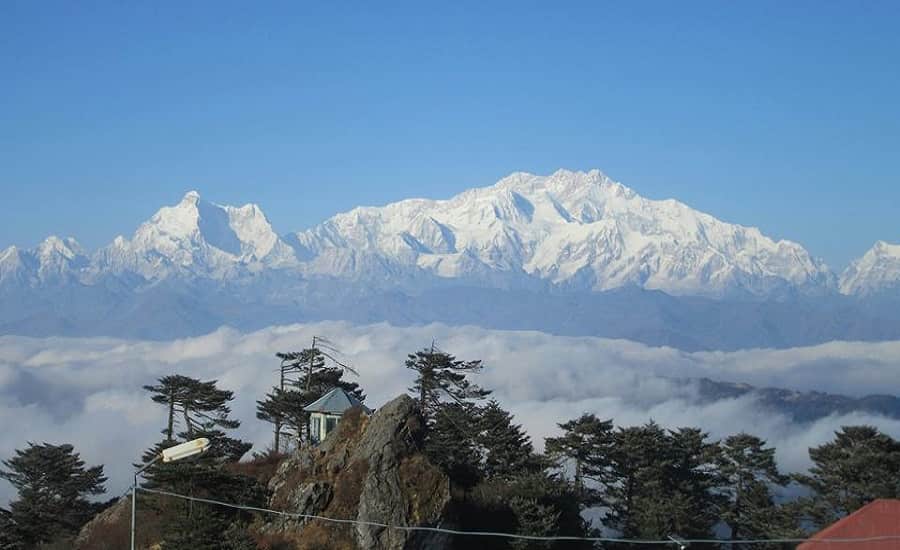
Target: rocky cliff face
[(370, 469)]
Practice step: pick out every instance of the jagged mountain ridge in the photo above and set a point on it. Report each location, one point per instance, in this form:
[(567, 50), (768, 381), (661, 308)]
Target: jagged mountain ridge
[(877, 271), (571, 253), (570, 230), (573, 230)]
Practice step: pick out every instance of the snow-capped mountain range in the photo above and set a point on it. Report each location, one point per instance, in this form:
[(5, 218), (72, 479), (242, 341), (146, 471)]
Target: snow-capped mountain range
[(876, 272), (571, 230), (570, 253)]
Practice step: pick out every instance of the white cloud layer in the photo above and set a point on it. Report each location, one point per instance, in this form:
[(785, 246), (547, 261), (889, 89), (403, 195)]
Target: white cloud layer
[(88, 391)]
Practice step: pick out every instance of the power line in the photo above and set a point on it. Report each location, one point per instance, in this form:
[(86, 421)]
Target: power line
[(409, 528)]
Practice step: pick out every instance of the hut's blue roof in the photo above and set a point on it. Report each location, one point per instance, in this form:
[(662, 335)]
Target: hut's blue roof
[(335, 401)]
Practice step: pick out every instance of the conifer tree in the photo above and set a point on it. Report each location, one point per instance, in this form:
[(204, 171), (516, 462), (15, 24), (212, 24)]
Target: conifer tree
[(693, 478), (535, 519), (506, 448), (201, 410), (451, 443), (199, 406), (440, 376), (663, 483), (304, 377), (747, 471), (588, 443), (860, 465), (447, 403), (284, 409), (637, 497), (53, 485), (543, 505), (10, 538)]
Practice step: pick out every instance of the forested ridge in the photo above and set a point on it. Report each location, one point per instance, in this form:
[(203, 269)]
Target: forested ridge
[(595, 478)]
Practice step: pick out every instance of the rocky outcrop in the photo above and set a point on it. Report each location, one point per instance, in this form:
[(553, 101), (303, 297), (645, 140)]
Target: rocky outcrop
[(109, 529), (371, 469)]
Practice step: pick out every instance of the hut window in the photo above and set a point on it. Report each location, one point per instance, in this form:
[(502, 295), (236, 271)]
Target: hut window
[(330, 424)]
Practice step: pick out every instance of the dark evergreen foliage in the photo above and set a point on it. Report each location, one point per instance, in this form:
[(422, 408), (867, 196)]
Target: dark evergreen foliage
[(747, 472), (861, 464), (664, 483), (650, 482), (447, 403), (535, 504), (10, 537), (305, 377), (505, 447), (586, 443), (451, 443), (53, 484), (201, 406), (439, 377), (284, 409), (204, 410)]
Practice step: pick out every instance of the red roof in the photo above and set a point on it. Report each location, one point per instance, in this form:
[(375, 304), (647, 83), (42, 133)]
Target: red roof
[(879, 518)]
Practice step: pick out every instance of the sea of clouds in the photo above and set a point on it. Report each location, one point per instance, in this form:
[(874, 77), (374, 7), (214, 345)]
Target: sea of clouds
[(87, 391)]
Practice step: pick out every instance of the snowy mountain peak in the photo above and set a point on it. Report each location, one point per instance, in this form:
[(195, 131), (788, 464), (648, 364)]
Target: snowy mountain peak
[(877, 271), (9, 253), (12, 266), (67, 248), (885, 248), (564, 183), (570, 230), (578, 230), (197, 237), (54, 260)]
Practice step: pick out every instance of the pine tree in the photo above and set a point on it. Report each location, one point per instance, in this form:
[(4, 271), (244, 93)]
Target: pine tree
[(860, 465), (446, 401), (304, 377), (441, 376), (638, 496), (543, 505), (451, 443), (747, 471), (284, 409), (693, 479), (201, 406), (588, 443), (535, 520), (53, 485), (201, 409), (10, 537), (506, 448), (663, 483)]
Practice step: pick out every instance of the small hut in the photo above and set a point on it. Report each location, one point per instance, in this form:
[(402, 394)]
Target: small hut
[(326, 411)]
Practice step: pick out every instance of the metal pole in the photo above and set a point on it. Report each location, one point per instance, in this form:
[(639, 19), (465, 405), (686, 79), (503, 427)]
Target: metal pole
[(133, 507), (134, 495)]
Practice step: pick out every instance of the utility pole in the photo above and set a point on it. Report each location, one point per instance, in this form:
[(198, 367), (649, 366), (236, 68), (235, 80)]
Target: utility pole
[(309, 371)]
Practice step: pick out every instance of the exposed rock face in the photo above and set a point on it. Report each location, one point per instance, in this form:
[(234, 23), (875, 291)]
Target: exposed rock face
[(370, 469), (109, 529)]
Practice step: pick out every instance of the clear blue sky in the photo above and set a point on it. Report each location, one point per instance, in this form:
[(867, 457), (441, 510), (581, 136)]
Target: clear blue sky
[(783, 115)]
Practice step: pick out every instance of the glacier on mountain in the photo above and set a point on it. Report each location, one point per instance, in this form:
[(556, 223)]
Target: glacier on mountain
[(569, 253), (878, 271), (574, 230)]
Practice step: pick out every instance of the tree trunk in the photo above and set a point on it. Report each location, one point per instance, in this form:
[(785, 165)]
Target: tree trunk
[(171, 425), (278, 420), (578, 481)]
